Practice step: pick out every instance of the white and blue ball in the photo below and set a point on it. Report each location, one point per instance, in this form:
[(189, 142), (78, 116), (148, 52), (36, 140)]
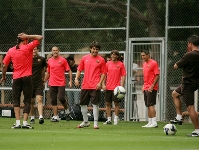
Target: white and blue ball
[(170, 129), (119, 92)]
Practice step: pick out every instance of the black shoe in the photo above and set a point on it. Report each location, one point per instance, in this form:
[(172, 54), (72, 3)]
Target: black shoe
[(16, 126), (176, 121), (41, 120), (107, 122), (32, 121), (193, 134), (68, 117), (54, 120), (27, 127)]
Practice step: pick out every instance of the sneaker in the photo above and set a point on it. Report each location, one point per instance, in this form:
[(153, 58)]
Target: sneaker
[(54, 120), (194, 134), (96, 126), (145, 126), (115, 121), (107, 122), (176, 121), (84, 124), (27, 126), (68, 117), (153, 125), (32, 121), (16, 126), (41, 120)]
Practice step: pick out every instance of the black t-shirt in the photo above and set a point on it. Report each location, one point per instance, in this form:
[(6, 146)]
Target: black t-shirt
[(39, 63), (190, 65), (74, 68)]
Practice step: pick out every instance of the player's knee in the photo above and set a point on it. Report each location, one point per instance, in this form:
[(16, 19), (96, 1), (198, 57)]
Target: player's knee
[(39, 99), (175, 94)]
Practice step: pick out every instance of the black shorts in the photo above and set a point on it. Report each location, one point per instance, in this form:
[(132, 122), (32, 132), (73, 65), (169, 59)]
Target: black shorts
[(22, 84), (57, 92), (187, 93), (90, 95), (150, 98), (109, 96), (38, 89)]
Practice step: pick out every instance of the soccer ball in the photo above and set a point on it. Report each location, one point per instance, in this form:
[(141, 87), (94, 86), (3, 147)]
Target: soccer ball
[(170, 129), (119, 92)]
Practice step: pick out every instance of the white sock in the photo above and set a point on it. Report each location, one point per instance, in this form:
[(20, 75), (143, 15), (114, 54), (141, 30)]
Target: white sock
[(197, 130), (116, 118), (179, 117), (154, 120), (109, 118), (67, 111), (32, 117), (24, 123), (17, 122), (40, 116), (55, 117), (150, 120), (95, 113), (84, 111)]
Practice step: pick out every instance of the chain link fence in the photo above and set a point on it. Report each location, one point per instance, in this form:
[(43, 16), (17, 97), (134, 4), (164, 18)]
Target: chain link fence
[(73, 24)]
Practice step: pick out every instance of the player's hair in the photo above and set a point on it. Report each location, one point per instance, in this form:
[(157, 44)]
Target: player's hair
[(18, 42), (193, 39), (95, 44), (145, 51), (116, 52)]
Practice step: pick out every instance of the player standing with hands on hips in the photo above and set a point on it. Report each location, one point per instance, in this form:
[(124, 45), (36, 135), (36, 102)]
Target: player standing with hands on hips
[(115, 76), (93, 66), (21, 56), (150, 87), (190, 83)]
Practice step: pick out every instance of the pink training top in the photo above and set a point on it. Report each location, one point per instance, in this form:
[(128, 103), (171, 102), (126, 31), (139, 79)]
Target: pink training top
[(150, 70), (56, 69), (21, 59), (93, 67), (114, 70)]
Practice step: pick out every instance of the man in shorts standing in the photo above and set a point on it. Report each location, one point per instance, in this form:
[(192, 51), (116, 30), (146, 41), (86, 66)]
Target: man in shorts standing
[(38, 74), (57, 66), (93, 66), (150, 87), (190, 83), (115, 76), (21, 57)]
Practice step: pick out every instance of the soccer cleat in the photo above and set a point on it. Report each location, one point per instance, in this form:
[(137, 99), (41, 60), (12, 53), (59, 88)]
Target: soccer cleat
[(194, 134), (27, 126), (96, 126), (145, 126), (107, 122), (176, 121), (41, 120), (153, 125), (32, 121), (68, 117), (115, 121), (54, 120), (16, 126), (84, 124)]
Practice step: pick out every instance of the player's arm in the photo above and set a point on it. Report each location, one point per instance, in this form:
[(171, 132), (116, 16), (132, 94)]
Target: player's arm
[(123, 81), (46, 77), (71, 78), (4, 70), (26, 36), (154, 82), (104, 82), (98, 86), (77, 78)]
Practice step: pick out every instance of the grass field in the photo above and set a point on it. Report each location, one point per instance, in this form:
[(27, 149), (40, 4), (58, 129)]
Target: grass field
[(65, 136)]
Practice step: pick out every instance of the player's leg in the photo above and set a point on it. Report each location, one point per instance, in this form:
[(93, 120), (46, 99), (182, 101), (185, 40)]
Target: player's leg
[(95, 100), (178, 104), (116, 103), (84, 101), (53, 96), (32, 117), (108, 100)]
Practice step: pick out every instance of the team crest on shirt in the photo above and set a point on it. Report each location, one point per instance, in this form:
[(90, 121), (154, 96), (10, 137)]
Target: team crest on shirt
[(97, 61), (38, 60), (117, 66), (148, 66), (59, 62)]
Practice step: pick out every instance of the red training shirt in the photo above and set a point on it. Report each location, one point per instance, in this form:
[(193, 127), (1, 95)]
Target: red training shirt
[(21, 59), (93, 67), (114, 70), (56, 69), (150, 70)]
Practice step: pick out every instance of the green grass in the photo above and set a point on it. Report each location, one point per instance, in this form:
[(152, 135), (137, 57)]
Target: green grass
[(64, 135)]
